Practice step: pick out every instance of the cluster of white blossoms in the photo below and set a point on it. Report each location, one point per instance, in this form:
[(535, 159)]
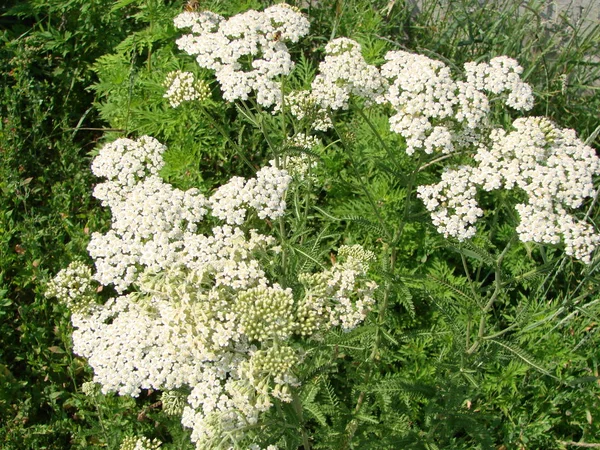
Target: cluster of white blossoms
[(197, 316), (247, 51), (344, 72), (149, 228), (123, 163), (433, 109), (454, 209), (501, 74), (340, 296), (421, 90), (73, 286), (183, 87), (265, 194), (551, 166), (140, 443), (150, 218), (303, 141)]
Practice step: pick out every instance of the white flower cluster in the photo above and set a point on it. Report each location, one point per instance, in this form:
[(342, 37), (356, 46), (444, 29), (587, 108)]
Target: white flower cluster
[(550, 165), (501, 74), (140, 443), (340, 296), (123, 163), (265, 194), (248, 51), (345, 72), (433, 112), (183, 87), (454, 209), (421, 90), (305, 105), (149, 228), (430, 105), (303, 141), (73, 286), (150, 219), (201, 317)]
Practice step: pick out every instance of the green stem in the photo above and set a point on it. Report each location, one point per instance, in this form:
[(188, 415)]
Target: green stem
[(376, 133), (283, 248), (466, 268), (362, 184), (258, 120), (100, 418), (393, 255), (409, 189), (491, 301), (297, 404), (225, 134)]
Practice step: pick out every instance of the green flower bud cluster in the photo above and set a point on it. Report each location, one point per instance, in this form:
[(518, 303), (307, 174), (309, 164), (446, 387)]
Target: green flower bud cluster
[(255, 393), (178, 282), (90, 388), (268, 374), (358, 254), (548, 128), (173, 402), (276, 361), (310, 313), (341, 295), (73, 287), (283, 392), (266, 313), (140, 443)]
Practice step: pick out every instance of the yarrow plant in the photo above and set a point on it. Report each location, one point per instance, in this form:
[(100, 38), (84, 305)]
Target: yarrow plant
[(248, 52), (213, 305), (203, 315)]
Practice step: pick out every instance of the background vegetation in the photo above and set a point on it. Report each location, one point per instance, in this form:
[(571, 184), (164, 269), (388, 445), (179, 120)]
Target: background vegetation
[(77, 72)]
